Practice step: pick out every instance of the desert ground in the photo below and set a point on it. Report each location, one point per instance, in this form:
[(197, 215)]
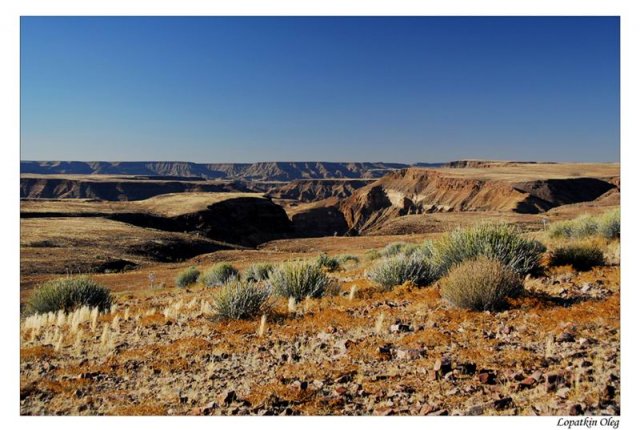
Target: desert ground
[(361, 350)]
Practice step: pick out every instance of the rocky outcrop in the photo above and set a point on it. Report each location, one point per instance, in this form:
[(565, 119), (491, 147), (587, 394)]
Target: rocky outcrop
[(416, 191), (461, 164), (116, 189), (310, 190)]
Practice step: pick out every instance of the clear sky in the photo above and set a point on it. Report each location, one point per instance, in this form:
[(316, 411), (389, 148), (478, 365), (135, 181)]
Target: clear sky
[(242, 89)]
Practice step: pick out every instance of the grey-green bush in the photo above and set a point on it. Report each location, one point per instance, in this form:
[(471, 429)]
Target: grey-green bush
[(219, 274), (345, 259), (67, 294), (187, 277), (609, 224), (480, 284), (372, 254), (241, 300), (300, 279), (392, 271), (606, 225), (392, 249), (581, 257), (258, 272), (330, 263), (501, 242)]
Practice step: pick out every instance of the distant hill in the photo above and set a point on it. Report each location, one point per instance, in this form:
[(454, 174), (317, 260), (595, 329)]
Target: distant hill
[(262, 171)]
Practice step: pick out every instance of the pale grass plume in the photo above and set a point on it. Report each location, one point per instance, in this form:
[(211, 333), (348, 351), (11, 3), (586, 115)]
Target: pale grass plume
[(104, 337), (126, 314), (205, 308), (59, 343), (263, 325), (291, 306), (61, 318), (352, 292), (379, 322), (78, 341), (115, 324), (113, 309), (94, 319), (549, 348)]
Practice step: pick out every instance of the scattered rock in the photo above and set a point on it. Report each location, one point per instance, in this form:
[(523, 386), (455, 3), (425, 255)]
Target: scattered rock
[(227, 397), (528, 382), (565, 337), (400, 328), (410, 354), (487, 377), (576, 410)]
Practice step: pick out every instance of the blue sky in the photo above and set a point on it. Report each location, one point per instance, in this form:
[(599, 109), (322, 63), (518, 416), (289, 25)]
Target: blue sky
[(245, 89)]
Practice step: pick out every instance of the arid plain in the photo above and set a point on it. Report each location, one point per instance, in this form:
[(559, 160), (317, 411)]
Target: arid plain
[(363, 347)]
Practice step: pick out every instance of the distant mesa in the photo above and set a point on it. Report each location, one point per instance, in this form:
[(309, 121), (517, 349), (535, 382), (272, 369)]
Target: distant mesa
[(262, 171)]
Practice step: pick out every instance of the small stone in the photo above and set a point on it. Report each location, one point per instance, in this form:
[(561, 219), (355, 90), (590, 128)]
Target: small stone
[(347, 377), (340, 391), (442, 366), (502, 403), (439, 412), (400, 328), (576, 409), (410, 354), (527, 383), (227, 397), (475, 410), (566, 337), (299, 385), (487, 377), (467, 368), (563, 393)]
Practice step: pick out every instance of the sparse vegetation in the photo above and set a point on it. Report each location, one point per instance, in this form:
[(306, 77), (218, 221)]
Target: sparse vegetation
[(187, 277), (348, 260), (609, 224), (496, 241), (396, 270), (219, 274), (480, 284), (580, 256), (606, 225), (300, 279), (258, 272), (330, 263), (68, 294), (372, 254), (241, 299)]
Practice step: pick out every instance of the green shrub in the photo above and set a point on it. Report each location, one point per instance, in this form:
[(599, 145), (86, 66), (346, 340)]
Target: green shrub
[(396, 270), (300, 279), (609, 225), (258, 272), (480, 284), (67, 294), (496, 241), (330, 263), (606, 225), (372, 254), (187, 277), (219, 274), (392, 249), (581, 257), (241, 300), (345, 259)]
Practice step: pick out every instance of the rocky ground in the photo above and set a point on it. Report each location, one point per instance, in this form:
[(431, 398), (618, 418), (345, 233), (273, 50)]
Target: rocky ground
[(555, 351)]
